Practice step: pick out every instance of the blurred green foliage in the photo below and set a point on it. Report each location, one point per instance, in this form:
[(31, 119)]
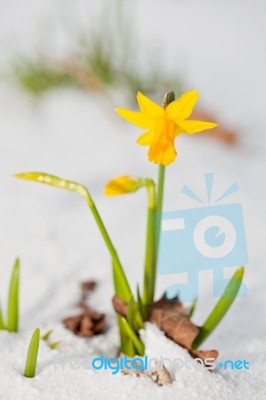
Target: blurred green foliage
[(38, 76), (108, 57)]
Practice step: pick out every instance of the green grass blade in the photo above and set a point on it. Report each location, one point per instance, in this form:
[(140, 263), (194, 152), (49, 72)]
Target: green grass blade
[(140, 304), (2, 325), (54, 345), (192, 308), (138, 318), (47, 334), (31, 361), (134, 316), (121, 289), (135, 339), (13, 299), (126, 344), (131, 312), (220, 308)]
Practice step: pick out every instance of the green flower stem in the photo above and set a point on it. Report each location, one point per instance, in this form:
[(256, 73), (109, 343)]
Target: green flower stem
[(160, 190), (168, 98), (150, 265), (55, 181)]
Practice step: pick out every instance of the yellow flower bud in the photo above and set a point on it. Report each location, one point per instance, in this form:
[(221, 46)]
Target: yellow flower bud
[(122, 185)]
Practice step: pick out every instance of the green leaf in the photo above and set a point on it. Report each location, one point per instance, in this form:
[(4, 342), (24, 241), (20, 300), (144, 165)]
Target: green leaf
[(121, 288), (140, 304), (220, 308), (46, 335), (192, 308), (54, 345), (135, 339), (31, 361), (134, 316), (131, 312), (55, 181), (60, 183), (126, 344), (13, 299), (2, 325), (138, 318)]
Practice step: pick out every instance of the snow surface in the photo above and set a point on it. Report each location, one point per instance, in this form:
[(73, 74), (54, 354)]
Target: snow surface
[(78, 136)]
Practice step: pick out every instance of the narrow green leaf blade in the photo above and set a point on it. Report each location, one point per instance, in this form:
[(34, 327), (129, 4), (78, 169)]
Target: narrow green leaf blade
[(47, 334), (135, 339), (120, 283), (220, 308), (139, 319), (31, 361), (2, 325), (126, 344), (54, 345), (55, 181), (140, 304), (134, 316), (13, 299), (131, 312), (192, 308)]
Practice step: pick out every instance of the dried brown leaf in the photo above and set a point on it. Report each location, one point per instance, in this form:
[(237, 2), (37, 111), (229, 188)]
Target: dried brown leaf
[(172, 318), (220, 133), (86, 324)]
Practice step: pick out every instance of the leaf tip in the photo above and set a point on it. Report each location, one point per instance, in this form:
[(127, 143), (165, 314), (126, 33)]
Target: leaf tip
[(20, 175), (240, 272)]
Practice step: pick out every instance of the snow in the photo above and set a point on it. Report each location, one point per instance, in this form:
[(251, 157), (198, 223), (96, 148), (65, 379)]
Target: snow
[(77, 136), (65, 374)]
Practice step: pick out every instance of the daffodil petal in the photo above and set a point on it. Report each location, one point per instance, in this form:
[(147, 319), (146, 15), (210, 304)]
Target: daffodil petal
[(121, 185), (164, 155), (135, 117), (177, 131), (149, 107), (146, 138), (191, 127), (182, 107)]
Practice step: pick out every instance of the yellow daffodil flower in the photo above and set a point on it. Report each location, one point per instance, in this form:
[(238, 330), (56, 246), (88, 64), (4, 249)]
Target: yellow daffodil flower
[(122, 185), (164, 124)]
